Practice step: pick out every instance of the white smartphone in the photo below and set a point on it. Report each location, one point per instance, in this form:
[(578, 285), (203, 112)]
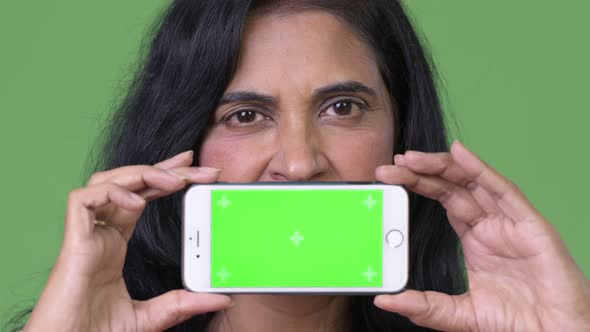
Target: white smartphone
[(329, 238)]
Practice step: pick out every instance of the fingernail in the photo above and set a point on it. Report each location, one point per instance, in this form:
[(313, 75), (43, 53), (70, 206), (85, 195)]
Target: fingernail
[(179, 176), (398, 159), (182, 154), (187, 152), (210, 170)]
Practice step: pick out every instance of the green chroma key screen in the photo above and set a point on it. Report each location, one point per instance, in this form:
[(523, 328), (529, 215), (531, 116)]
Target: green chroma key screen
[(296, 238)]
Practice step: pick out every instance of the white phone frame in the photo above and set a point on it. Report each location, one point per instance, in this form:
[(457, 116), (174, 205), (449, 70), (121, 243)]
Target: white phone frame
[(196, 241)]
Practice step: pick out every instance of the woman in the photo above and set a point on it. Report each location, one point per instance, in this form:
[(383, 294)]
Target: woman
[(300, 91)]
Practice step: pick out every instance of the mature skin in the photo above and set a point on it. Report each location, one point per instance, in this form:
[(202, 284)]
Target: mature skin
[(521, 276), (300, 137)]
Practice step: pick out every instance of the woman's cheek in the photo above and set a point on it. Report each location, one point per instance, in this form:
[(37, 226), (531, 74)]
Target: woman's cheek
[(240, 159), (356, 156)]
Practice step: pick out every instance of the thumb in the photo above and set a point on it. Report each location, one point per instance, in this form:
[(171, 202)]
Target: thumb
[(174, 307), (431, 309)]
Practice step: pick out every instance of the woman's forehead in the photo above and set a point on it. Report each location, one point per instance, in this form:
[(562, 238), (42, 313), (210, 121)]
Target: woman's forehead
[(301, 52)]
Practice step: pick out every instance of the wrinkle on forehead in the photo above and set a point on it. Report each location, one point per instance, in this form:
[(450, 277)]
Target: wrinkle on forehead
[(301, 51)]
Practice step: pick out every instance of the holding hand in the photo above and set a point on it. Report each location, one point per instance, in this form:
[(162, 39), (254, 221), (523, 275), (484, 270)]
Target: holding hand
[(521, 276), (86, 290)]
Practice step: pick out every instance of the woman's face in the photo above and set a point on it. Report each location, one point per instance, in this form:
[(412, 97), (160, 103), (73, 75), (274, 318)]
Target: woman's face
[(307, 103)]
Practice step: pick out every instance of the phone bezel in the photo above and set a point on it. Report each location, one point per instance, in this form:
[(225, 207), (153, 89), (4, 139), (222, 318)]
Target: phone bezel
[(196, 214)]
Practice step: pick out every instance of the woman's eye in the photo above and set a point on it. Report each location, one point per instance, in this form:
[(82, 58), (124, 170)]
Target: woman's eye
[(241, 118), (345, 108)]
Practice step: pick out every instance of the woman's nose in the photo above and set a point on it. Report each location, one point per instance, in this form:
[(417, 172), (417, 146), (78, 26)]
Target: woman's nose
[(298, 156)]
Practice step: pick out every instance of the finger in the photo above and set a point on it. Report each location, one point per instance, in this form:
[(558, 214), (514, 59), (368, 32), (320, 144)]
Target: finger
[(508, 197), (136, 179), (152, 182), (462, 209), (82, 204), (443, 165), (430, 309), (156, 183), (189, 175), (174, 307), (180, 160)]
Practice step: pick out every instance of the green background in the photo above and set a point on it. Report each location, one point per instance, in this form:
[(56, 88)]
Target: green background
[(340, 238), (514, 75)]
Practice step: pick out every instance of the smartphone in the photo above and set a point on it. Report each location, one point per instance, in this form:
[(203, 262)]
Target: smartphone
[(329, 238)]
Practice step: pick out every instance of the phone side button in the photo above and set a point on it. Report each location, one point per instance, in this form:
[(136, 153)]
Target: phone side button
[(394, 238)]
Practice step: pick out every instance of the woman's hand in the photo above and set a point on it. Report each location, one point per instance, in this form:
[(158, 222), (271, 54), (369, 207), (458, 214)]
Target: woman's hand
[(521, 276), (86, 290)]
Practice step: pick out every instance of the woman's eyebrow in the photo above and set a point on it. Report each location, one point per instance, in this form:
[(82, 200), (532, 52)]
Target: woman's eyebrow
[(247, 96), (346, 86), (339, 87)]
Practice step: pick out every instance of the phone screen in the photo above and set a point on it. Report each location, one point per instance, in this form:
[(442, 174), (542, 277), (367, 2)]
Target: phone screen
[(296, 238)]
